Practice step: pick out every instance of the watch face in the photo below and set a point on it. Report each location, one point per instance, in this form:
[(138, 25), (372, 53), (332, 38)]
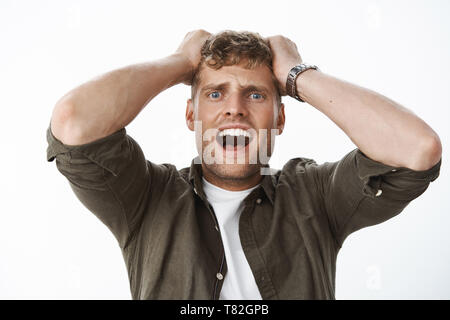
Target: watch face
[(294, 71)]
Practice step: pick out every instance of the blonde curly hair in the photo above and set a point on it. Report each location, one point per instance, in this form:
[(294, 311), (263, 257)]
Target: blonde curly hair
[(228, 48)]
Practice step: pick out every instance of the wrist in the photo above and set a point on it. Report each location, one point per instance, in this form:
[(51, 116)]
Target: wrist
[(302, 82), (291, 82), (185, 68)]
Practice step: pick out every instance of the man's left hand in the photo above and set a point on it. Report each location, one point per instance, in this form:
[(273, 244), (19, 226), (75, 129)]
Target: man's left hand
[(285, 57)]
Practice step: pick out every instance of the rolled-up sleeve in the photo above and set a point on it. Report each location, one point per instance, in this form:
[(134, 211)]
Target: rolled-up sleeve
[(109, 176), (358, 192)]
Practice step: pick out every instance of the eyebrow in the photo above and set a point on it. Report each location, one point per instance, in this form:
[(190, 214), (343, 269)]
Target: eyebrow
[(226, 85)]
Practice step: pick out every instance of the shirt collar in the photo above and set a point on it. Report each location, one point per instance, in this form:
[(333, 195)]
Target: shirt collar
[(195, 178)]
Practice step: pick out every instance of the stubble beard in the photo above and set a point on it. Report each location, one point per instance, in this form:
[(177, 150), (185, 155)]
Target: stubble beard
[(232, 173), (239, 170)]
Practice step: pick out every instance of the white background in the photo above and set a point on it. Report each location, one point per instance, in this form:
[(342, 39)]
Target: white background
[(51, 247)]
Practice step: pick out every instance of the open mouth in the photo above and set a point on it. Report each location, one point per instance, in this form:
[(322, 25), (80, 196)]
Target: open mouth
[(233, 139)]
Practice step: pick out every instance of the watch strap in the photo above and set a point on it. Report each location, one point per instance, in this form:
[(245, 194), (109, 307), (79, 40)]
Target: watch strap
[(291, 87)]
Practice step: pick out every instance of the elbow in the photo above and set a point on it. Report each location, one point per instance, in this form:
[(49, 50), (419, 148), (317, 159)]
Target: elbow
[(430, 153), (62, 120), (435, 150), (63, 111)]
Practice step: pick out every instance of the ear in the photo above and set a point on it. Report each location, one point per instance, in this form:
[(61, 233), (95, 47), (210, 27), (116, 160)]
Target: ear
[(281, 119), (190, 114)]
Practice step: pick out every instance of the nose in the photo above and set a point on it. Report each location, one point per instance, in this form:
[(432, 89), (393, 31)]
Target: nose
[(235, 107)]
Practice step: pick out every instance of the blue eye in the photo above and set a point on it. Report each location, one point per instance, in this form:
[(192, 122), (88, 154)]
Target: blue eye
[(258, 96), (215, 94)]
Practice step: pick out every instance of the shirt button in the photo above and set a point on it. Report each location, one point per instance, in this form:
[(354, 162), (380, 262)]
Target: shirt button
[(219, 276), (393, 170), (258, 201), (195, 190), (379, 193)]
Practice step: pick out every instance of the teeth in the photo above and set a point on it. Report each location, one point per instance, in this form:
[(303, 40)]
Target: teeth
[(234, 132)]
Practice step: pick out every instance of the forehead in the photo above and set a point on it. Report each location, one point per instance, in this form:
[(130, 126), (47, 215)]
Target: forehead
[(237, 75)]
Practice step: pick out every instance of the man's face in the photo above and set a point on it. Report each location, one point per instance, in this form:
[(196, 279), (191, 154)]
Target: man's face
[(237, 108)]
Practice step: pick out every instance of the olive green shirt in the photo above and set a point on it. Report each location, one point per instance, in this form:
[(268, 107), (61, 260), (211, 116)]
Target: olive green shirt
[(291, 228)]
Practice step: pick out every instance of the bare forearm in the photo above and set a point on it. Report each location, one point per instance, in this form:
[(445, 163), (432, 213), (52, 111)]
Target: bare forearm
[(111, 101), (382, 129)]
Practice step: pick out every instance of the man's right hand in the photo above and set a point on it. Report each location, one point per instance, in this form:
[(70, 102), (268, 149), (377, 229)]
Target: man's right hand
[(190, 49)]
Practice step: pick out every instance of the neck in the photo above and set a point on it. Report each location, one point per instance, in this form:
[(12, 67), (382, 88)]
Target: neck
[(232, 184)]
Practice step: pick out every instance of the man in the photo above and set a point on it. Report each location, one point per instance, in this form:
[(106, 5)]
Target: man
[(230, 227)]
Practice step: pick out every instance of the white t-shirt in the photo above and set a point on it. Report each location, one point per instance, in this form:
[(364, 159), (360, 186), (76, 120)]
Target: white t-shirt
[(239, 282)]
